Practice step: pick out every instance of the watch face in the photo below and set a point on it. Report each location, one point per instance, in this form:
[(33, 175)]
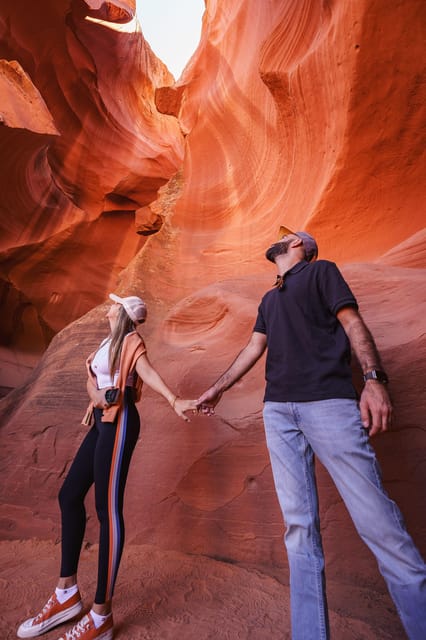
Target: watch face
[(375, 374), (381, 377)]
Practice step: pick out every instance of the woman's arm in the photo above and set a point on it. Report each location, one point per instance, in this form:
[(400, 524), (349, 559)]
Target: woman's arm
[(152, 378), (97, 396)]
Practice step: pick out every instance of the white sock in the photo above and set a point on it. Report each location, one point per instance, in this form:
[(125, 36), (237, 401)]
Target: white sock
[(98, 619), (64, 594)]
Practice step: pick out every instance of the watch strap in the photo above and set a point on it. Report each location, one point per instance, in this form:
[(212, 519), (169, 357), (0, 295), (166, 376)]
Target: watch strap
[(376, 374)]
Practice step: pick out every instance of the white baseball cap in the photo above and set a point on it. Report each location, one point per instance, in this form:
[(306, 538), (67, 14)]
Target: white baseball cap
[(135, 307)]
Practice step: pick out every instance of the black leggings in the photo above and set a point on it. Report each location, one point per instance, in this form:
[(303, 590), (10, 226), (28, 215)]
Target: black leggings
[(103, 458)]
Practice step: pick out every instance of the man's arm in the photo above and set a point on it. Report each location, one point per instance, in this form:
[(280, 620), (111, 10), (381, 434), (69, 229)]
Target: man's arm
[(242, 363), (375, 404)]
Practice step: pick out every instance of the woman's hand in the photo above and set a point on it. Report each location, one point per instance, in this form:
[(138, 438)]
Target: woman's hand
[(181, 406), (98, 398)]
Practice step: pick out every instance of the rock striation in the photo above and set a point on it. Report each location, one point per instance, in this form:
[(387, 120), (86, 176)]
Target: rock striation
[(83, 147)]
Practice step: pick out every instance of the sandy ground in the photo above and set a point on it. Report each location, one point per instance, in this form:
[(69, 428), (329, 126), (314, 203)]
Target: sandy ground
[(167, 595)]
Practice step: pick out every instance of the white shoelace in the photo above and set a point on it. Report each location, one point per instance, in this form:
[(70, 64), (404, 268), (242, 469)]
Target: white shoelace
[(49, 604), (80, 628)]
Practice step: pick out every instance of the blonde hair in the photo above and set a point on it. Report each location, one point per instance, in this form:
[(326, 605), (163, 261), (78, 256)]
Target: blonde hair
[(123, 326)]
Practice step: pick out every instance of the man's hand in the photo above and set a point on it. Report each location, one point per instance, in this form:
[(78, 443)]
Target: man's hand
[(242, 363), (207, 402), (375, 407)]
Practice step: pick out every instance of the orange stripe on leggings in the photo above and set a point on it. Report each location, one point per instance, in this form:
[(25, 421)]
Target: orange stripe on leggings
[(113, 489)]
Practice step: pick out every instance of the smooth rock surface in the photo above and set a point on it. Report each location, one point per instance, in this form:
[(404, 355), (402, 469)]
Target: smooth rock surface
[(115, 179)]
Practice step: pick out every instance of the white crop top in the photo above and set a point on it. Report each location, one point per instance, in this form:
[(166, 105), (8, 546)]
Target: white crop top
[(100, 367)]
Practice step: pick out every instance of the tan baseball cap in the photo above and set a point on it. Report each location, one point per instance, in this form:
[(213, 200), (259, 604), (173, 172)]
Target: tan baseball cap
[(309, 243)]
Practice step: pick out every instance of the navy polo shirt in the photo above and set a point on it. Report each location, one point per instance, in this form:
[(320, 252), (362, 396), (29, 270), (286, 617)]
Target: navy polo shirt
[(309, 352)]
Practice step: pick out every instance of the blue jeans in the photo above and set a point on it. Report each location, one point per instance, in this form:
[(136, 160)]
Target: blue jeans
[(332, 431)]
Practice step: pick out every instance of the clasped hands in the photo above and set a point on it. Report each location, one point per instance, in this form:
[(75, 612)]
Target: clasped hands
[(208, 400), (204, 405)]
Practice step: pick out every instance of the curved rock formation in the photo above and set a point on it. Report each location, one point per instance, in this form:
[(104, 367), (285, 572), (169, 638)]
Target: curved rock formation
[(83, 148), (303, 113)]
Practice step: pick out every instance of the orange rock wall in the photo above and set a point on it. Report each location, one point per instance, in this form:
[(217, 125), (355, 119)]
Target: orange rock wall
[(303, 113), (82, 148)]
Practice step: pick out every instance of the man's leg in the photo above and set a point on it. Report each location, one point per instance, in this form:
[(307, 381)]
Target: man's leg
[(294, 476), (335, 432)]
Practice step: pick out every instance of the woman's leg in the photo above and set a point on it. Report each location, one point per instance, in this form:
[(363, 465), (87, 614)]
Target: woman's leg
[(79, 479), (112, 459), (65, 603)]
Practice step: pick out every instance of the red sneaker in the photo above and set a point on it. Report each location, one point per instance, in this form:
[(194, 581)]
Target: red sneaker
[(85, 630), (52, 614)]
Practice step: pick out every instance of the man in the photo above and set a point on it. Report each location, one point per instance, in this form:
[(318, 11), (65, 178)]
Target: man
[(308, 323)]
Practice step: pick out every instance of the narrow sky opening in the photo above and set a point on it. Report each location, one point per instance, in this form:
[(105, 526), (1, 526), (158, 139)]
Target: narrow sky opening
[(172, 28)]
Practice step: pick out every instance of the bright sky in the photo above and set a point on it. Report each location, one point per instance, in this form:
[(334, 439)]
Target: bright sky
[(172, 28)]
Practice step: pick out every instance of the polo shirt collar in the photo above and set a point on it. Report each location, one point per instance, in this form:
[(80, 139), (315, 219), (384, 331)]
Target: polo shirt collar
[(299, 266)]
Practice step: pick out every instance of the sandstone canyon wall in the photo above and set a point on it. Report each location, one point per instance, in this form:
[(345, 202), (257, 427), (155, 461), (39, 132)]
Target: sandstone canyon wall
[(82, 147), (305, 113)]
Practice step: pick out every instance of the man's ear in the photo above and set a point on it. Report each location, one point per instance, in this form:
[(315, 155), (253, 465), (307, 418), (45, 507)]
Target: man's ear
[(297, 242)]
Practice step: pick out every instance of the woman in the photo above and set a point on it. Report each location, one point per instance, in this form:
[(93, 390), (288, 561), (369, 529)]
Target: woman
[(118, 368)]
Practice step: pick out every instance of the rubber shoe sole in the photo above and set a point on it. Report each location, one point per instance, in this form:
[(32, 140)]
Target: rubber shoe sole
[(108, 635), (28, 630)]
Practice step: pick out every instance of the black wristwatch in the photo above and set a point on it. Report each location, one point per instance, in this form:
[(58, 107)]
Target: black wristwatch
[(376, 374)]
